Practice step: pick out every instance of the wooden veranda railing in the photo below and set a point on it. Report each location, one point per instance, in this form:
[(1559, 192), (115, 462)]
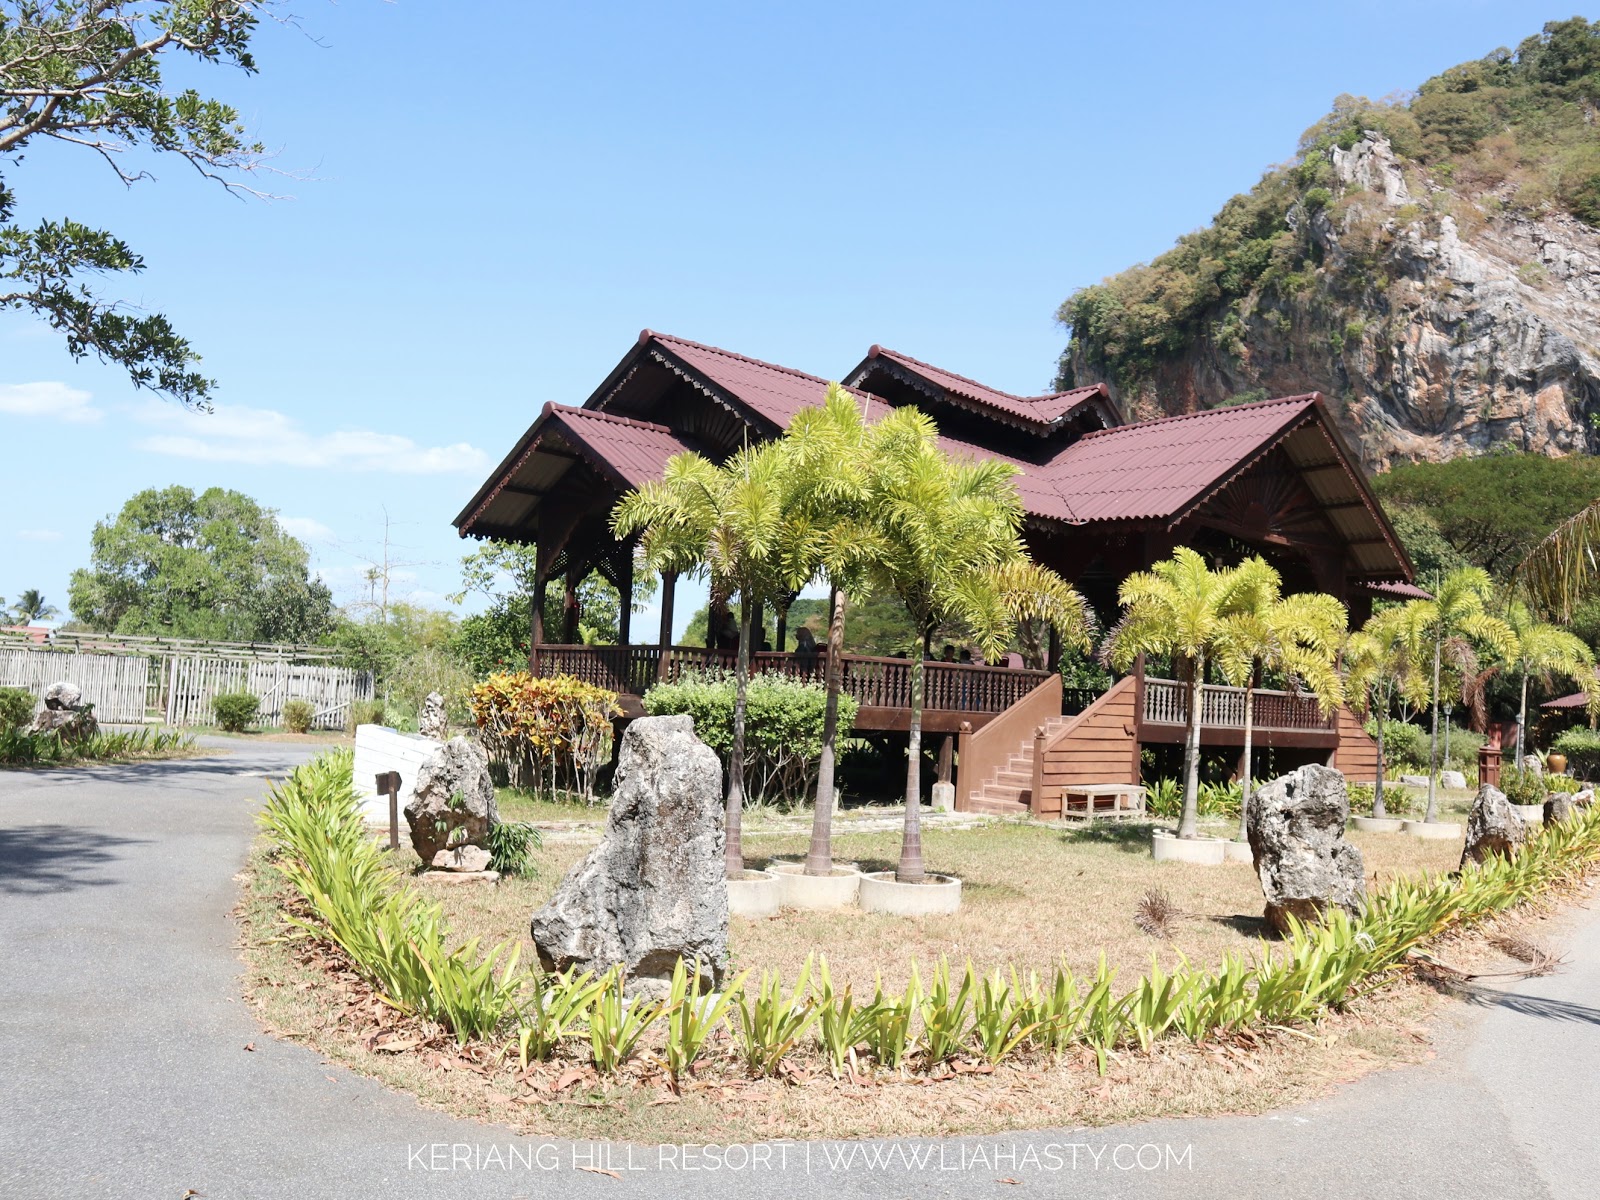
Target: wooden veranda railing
[(1166, 702), (873, 682)]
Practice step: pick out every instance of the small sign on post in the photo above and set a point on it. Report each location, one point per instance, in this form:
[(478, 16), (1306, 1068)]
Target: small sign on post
[(387, 783)]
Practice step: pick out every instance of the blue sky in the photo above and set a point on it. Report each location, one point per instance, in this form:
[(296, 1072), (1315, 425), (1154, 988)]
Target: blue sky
[(503, 194)]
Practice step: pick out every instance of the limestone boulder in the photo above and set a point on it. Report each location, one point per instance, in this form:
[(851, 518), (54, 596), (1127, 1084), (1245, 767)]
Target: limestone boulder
[(1493, 826), (72, 725), (1452, 779), (452, 802), (1296, 829), (431, 721), (1416, 781), (1532, 765), (654, 890), (1557, 807), (462, 858), (63, 696)]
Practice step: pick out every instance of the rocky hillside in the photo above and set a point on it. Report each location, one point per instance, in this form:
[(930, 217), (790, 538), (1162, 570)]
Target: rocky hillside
[(1432, 267)]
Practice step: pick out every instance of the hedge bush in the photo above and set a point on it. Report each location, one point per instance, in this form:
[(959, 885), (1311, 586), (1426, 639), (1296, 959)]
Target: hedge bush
[(364, 712), (235, 710), (549, 732), (783, 726), (1582, 748), (298, 715), (16, 707)]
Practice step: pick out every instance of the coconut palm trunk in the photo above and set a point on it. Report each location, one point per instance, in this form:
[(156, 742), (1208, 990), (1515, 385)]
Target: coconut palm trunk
[(1189, 823), (910, 869), (1433, 737), (1377, 791), (1244, 788), (819, 859), (734, 853), (1522, 715)]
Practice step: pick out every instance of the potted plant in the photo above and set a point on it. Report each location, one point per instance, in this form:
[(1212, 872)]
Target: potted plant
[(1365, 795)]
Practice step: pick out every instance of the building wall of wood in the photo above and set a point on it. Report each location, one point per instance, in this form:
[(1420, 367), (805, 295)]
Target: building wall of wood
[(1357, 754)]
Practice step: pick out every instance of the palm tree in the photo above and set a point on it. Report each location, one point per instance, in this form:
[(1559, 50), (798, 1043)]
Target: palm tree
[(1546, 650), (825, 450), (728, 520), (1298, 636), (945, 540), (1381, 667), (1457, 621), (1179, 607), (1561, 571), (30, 607)]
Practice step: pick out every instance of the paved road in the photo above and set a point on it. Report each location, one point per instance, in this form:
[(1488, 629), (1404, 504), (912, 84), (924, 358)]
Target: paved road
[(124, 1075)]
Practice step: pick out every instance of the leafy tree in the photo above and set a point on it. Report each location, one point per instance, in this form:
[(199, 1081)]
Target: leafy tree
[(1454, 626), (214, 565), (31, 607), (90, 73), (1298, 636), (729, 521), (1181, 607), (1546, 650), (942, 534), (1382, 666)]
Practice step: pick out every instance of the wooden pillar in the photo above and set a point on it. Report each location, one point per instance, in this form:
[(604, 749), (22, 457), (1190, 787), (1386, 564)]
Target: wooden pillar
[(571, 609), (541, 572), (1053, 654), (669, 590), (625, 603), (946, 757), (758, 623), (780, 643)]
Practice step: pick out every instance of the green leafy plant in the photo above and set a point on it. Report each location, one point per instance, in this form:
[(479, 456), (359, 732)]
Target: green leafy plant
[(512, 845), (771, 1022), (692, 1016), (298, 715), (552, 1005), (618, 1022), (1582, 748), (886, 1025), (1523, 786), (16, 707), (1156, 1002), (235, 710), (946, 1011), (1000, 1017), (364, 712), (839, 1022)]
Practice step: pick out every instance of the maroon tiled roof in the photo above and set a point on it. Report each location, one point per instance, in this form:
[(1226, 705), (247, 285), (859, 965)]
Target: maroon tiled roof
[(776, 393), (1042, 409), (636, 450), (1157, 469)]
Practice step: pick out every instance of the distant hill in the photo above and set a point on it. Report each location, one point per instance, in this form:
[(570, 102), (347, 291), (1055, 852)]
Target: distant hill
[(1431, 264)]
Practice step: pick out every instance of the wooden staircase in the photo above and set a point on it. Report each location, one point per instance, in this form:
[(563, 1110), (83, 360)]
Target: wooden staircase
[(1008, 791)]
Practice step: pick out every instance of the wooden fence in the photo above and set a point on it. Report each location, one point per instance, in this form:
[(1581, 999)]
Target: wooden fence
[(116, 685), (193, 680)]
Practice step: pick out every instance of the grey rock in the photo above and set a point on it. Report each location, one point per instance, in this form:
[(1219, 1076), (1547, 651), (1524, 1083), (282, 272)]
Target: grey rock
[(431, 722), (1493, 826), (1416, 781), (1583, 798), (452, 803), (654, 890), (462, 858), (1296, 830), (63, 695), (1452, 779), (72, 724), (1557, 807), (1531, 764)]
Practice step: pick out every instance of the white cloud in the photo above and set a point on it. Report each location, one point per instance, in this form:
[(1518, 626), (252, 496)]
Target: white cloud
[(307, 529), (47, 399), (39, 535), (264, 437)]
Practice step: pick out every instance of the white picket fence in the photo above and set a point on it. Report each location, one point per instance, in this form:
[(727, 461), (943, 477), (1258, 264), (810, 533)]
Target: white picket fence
[(193, 680), (115, 684)]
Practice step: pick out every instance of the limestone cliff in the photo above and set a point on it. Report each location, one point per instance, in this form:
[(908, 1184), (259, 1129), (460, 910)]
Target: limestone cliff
[(1438, 321)]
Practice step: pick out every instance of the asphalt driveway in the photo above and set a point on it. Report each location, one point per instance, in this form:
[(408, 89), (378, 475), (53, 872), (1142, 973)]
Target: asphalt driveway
[(125, 1073)]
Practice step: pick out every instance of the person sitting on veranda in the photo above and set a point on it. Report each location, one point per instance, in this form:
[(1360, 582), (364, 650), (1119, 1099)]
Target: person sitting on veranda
[(805, 650), (948, 654)]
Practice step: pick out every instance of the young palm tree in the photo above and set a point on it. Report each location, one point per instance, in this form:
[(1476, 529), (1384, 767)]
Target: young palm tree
[(825, 451), (945, 541), (1298, 636), (1180, 607), (30, 607), (1381, 667), (1545, 650), (730, 521), (1457, 622)]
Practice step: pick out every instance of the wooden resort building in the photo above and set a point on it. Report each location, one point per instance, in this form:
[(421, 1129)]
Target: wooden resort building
[(1104, 497)]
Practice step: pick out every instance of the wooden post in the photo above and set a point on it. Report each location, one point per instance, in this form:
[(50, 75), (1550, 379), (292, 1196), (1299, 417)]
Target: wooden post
[(669, 589), (946, 757), (1035, 800), (1053, 654), (388, 783), (625, 605), (570, 609), (541, 577), (780, 643)]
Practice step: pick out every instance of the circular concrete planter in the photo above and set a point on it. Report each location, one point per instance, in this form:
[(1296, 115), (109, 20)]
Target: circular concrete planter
[(1166, 846), (1533, 814), (1237, 852), (1434, 831), (881, 892), (754, 894), (822, 893), (1377, 824)]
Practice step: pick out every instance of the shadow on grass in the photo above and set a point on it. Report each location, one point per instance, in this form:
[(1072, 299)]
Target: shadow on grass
[(1128, 837), (1253, 927)]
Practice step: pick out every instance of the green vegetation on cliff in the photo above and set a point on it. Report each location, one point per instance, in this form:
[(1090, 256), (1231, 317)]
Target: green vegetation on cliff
[(1518, 124)]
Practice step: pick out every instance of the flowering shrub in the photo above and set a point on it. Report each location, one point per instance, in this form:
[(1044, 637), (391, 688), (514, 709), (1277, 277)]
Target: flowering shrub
[(552, 731), (783, 726)]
